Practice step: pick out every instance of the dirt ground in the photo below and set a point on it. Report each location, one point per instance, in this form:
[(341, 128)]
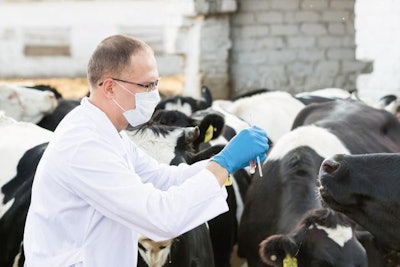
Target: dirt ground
[(78, 87)]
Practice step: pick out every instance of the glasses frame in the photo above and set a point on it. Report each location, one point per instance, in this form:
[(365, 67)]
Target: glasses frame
[(150, 86)]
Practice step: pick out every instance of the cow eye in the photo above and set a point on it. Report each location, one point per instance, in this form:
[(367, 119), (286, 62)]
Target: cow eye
[(162, 247)]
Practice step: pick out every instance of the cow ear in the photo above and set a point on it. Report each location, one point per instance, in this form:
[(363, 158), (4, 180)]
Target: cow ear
[(211, 127), (274, 249)]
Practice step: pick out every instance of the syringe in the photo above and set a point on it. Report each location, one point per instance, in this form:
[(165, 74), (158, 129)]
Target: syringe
[(252, 167)]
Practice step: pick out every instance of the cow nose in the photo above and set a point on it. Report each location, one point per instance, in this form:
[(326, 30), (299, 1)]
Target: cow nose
[(330, 165), (192, 134)]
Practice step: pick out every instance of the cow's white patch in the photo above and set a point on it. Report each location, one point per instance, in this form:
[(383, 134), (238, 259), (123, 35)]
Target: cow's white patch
[(328, 93), (239, 200), (155, 253), (4, 208), (319, 139), (272, 111), (340, 235), (161, 148), (184, 108), (15, 139), (26, 104)]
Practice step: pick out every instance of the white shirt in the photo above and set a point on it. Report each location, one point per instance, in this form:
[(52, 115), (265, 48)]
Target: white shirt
[(95, 191)]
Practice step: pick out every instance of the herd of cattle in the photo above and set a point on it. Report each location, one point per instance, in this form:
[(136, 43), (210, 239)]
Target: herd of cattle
[(329, 194)]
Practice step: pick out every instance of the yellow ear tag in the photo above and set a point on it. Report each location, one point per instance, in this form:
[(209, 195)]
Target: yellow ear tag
[(209, 134), (288, 261), (228, 182)]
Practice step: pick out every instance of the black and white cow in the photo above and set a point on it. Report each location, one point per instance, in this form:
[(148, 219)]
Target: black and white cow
[(223, 228), (272, 111), (187, 104), (276, 202), (367, 188), (51, 120), (211, 125), (321, 238), (26, 104)]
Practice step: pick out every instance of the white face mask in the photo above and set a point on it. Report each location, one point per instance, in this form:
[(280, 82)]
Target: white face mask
[(146, 102)]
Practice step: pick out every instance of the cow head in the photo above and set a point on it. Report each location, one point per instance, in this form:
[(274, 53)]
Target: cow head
[(25, 104), (155, 254), (322, 238), (187, 104), (163, 142), (366, 188)]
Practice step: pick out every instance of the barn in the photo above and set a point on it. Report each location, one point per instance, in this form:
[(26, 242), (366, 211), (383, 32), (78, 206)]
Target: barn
[(307, 72)]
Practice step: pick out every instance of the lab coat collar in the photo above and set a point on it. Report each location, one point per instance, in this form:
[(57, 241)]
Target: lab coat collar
[(104, 124)]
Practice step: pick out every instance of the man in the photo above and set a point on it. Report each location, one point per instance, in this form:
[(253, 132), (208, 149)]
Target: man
[(95, 190)]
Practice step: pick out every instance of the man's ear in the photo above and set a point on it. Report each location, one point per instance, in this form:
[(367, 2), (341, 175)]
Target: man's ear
[(108, 88)]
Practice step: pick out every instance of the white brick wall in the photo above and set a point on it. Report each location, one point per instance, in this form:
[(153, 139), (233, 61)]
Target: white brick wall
[(310, 42)]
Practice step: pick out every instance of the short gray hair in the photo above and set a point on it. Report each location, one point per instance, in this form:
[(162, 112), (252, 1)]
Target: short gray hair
[(111, 56)]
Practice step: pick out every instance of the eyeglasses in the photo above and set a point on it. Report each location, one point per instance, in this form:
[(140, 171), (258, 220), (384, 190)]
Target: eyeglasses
[(150, 86)]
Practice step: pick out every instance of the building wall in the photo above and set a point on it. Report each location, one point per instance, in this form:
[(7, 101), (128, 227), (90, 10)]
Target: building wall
[(294, 45), (232, 46), (378, 39), (55, 39)]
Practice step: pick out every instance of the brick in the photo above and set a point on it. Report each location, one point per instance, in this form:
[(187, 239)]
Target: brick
[(329, 41), (353, 66), (337, 28), (341, 53), (243, 19), (307, 16), (311, 55), (300, 69), (343, 5), (336, 16), (284, 29), (285, 4), (269, 17), (253, 5), (251, 31), (313, 29), (278, 57), (328, 68), (270, 43), (314, 4), (301, 41)]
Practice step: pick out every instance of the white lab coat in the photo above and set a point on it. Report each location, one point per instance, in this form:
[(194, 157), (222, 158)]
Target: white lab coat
[(94, 191)]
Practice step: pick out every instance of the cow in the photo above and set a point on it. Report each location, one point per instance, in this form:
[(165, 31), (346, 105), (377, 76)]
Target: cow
[(155, 139), (321, 238), (187, 104), (51, 120), (390, 103), (210, 125), (223, 228), (16, 138), (365, 187), (276, 202), (25, 104), (272, 111)]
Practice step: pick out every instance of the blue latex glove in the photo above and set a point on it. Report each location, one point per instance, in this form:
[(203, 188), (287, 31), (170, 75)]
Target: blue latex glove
[(245, 146)]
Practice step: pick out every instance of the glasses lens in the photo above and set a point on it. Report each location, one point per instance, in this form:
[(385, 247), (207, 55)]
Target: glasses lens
[(153, 85)]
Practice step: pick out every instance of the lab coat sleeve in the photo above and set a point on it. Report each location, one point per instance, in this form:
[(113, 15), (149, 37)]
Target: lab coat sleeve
[(162, 176), (100, 176)]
